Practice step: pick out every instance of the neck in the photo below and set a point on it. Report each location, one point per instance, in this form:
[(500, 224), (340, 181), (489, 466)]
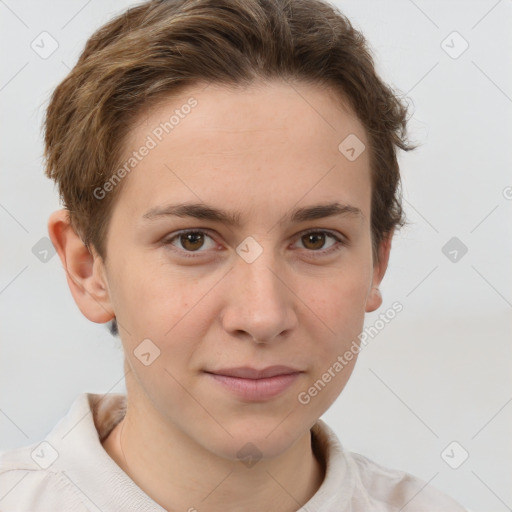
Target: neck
[(179, 474)]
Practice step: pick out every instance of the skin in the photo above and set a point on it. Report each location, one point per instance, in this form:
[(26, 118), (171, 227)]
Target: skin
[(261, 152)]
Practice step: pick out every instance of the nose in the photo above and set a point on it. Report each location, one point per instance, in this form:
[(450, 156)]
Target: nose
[(259, 302)]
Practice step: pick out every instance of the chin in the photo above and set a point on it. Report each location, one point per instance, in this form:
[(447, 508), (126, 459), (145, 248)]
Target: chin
[(257, 438)]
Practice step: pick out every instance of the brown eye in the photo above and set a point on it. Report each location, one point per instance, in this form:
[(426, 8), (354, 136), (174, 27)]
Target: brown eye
[(192, 241), (313, 241), (319, 242)]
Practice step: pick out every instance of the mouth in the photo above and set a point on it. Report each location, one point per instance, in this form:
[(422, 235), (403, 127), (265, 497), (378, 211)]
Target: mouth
[(255, 385)]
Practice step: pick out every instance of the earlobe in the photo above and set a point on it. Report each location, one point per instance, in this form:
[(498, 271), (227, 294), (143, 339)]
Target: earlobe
[(374, 300), (84, 269)]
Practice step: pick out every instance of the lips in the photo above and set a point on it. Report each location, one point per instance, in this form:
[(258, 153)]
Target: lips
[(245, 372), (253, 385)]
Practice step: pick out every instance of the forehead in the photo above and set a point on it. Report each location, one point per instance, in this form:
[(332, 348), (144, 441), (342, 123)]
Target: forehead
[(256, 145)]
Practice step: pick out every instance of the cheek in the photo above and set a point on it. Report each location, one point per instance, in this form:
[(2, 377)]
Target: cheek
[(340, 305), (340, 299), (336, 348), (155, 294), (173, 309)]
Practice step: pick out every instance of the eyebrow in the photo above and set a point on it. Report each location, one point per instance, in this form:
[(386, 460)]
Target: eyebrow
[(205, 212)]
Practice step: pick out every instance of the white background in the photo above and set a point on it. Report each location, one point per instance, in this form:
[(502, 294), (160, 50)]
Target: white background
[(439, 372)]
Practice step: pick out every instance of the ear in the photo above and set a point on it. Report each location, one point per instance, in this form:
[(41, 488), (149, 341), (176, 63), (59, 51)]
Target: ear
[(85, 270), (374, 298)]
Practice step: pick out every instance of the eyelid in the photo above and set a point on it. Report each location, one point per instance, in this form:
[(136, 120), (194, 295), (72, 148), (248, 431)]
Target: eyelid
[(335, 234)]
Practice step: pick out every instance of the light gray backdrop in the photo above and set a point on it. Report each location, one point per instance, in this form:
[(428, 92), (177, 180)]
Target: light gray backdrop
[(439, 373)]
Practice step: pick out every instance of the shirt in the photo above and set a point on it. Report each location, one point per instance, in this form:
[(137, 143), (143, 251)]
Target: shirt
[(71, 471)]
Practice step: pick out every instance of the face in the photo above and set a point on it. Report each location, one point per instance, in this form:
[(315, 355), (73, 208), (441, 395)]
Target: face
[(240, 250)]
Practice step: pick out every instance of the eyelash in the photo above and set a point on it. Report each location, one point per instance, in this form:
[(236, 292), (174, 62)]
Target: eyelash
[(340, 242)]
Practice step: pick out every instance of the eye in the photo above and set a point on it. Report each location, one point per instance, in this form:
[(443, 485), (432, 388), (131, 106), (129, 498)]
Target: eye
[(191, 241), (315, 241)]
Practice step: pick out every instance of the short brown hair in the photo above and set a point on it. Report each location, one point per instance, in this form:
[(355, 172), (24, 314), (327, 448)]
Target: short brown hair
[(158, 48)]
